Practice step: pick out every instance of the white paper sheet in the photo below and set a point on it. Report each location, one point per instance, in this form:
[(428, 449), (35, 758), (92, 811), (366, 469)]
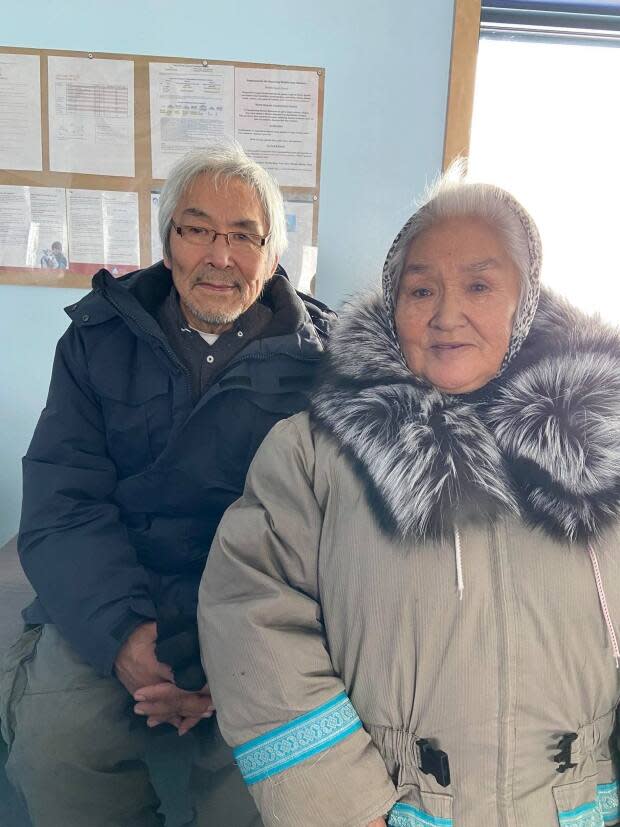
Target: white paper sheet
[(307, 279), (276, 121), (20, 112), (33, 227), (191, 106), (14, 226), (104, 229), (297, 262), (91, 115), (156, 248)]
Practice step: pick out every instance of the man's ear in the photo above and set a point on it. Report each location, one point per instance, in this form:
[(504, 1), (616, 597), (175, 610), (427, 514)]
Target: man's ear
[(166, 256)]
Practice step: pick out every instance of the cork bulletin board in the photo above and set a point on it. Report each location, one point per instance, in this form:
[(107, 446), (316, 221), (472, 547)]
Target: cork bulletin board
[(87, 140)]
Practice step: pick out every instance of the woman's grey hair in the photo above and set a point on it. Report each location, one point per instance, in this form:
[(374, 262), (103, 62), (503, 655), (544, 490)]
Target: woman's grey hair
[(223, 162), (452, 196)]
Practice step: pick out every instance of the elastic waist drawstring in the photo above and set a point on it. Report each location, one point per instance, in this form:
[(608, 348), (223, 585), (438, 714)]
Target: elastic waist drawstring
[(602, 599), (458, 561)]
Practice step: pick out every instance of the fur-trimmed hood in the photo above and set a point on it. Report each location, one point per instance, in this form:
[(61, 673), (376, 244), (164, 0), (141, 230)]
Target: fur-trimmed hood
[(542, 440)]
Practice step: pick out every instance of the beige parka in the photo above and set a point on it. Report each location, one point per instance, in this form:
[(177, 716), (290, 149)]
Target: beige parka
[(412, 609)]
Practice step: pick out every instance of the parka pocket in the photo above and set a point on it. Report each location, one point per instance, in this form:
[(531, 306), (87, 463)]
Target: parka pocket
[(422, 800), (591, 802), (608, 792), (418, 808), (137, 420), (13, 679)]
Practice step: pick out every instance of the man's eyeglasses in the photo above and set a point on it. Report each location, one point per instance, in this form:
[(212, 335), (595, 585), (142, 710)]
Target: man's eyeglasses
[(204, 236)]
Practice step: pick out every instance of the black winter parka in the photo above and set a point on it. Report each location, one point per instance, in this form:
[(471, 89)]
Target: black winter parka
[(125, 480)]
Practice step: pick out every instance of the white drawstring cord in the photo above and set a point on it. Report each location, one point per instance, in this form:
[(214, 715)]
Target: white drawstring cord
[(459, 563), (604, 608), (597, 577)]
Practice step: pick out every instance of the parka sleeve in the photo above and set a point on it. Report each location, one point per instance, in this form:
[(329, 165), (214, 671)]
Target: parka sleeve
[(297, 738), (72, 544)]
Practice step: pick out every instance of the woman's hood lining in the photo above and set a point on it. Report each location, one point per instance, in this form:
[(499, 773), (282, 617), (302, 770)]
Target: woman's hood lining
[(542, 442)]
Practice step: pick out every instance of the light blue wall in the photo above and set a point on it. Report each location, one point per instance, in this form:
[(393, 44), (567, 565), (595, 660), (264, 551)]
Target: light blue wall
[(385, 97)]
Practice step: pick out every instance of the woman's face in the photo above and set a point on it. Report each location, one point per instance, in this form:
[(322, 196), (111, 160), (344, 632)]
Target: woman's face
[(456, 303)]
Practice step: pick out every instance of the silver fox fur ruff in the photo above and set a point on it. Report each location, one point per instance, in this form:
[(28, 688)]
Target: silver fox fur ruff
[(542, 441)]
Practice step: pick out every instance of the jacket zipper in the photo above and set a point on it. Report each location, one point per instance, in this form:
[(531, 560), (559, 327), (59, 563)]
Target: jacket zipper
[(258, 356), (506, 675)]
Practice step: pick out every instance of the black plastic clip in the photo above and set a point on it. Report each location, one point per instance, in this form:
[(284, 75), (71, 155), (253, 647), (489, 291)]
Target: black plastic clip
[(563, 758), (434, 762)]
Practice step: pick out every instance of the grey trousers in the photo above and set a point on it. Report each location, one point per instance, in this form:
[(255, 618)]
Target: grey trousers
[(76, 749)]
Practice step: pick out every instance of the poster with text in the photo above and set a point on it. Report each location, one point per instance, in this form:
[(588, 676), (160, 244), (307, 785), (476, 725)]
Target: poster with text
[(91, 115), (33, 228), (20, 112), (276, 113), (299, 258), (191, 106), (103, 231)]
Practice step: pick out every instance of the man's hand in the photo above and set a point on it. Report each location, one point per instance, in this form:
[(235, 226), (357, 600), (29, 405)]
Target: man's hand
[(166, 703), (136, 664)]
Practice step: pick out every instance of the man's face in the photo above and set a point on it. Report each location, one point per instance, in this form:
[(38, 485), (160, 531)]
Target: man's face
[(217, 283)]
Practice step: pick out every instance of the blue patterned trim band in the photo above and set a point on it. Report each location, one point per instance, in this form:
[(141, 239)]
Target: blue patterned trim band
[(600, 813), (588, 815), (404, 815), (302, 738), (608, 799)]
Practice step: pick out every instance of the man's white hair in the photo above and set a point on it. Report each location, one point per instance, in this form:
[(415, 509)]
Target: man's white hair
[(223, 162)]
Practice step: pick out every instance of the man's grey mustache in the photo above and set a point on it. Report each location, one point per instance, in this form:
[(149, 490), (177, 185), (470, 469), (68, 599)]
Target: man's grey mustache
[(216, 278)]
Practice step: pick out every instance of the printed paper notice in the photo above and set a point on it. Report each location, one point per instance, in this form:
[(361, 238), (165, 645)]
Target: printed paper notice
[(191, 106), (33, 227), (276, 121), (91, 116), (20, 112), (103, 231), (299, 258), (157, 252)]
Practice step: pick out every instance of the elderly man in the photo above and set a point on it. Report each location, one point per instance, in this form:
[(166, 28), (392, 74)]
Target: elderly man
[(163, 387)]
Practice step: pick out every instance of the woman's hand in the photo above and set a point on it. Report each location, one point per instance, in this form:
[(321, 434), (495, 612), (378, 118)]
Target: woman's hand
[(378, 822)]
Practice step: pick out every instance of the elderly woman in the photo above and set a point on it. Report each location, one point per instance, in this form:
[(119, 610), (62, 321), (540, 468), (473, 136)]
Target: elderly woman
[(409, 616)]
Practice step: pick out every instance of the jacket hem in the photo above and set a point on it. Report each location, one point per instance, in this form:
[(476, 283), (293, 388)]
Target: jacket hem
[(372, 813)]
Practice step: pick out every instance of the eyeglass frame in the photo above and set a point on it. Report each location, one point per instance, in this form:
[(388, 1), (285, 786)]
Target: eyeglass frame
[(263, 239)]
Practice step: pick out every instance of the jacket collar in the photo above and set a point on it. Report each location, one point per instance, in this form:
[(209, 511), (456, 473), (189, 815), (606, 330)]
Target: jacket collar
[(542, 442), (137, 294), (143, 291)]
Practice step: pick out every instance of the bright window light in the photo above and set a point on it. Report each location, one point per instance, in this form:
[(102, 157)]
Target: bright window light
[(546, 127)]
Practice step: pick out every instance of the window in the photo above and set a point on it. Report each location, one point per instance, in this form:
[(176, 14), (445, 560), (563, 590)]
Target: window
[(546, 126)]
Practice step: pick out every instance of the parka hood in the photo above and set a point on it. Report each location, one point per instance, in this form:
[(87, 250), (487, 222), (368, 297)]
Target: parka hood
[(541, 441)]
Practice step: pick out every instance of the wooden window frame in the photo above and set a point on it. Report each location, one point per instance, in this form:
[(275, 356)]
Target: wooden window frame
[(464, 55)]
